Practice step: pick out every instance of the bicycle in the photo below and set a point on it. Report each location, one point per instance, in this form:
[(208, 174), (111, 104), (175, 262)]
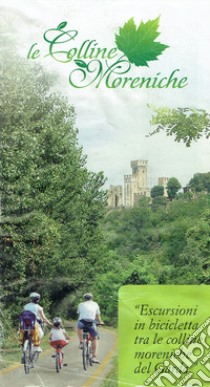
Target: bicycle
[(87, 353), (59, 354), (86, 349), (27, 326)]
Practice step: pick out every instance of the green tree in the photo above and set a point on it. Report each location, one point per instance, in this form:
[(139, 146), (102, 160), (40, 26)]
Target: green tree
[(157, 190), (52, 205), (200, 182), (173, 187), (186, 124)]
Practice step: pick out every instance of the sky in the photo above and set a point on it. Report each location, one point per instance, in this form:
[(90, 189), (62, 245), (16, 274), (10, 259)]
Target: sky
[(113, 123)]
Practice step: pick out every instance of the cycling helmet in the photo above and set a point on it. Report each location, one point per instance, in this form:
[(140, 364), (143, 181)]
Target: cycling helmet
[(57, 321), (88, 296), (35, 297)]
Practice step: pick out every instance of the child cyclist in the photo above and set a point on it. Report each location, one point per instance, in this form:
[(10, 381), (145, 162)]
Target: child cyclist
[(58, 335)]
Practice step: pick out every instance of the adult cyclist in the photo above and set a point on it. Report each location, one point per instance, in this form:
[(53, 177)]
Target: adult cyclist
[(34, 307), (89, 312)]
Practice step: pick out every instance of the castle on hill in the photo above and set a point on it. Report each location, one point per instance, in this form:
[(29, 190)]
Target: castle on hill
[(135, 186)]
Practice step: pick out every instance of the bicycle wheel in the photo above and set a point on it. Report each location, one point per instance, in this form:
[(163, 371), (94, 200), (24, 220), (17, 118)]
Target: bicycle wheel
[(85, 355), (27, 356), (58, 361), (90, 355)]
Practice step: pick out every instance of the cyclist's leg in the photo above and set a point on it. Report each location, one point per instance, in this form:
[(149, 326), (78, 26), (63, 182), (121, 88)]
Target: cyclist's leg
[(37, 336), (94, 339), (80, 327), (94, 346), (80, 333), (40, 331)]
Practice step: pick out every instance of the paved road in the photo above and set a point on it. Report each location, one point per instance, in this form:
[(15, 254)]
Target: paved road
[(44, 375)]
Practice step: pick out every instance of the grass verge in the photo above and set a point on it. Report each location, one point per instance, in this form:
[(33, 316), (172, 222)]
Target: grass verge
[(111, 379)]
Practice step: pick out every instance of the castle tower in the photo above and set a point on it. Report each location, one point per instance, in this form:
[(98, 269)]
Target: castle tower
[(128, 191), (115, 196), (136, 184), (163, 181)]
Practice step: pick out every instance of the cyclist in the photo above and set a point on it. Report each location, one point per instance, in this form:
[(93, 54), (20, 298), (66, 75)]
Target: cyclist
[(89, 311), (58, 335), (34, 307)]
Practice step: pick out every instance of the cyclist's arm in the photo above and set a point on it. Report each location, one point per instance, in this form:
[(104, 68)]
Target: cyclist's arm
[(44, 318), (66, 335), (98, 318)]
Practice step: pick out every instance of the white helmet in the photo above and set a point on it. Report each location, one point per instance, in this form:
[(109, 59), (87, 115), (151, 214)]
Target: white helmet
[(88, 296), (35, 296), (57, 321)]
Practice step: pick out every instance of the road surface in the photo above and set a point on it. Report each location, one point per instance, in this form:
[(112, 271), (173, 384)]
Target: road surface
[(44, 374)]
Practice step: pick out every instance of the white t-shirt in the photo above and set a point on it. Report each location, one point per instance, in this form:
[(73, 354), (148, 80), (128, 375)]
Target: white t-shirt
[(34, 308), (87, 310), (57, 334)]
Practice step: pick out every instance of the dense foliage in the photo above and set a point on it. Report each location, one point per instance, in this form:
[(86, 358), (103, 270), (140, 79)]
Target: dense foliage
[(165, 243), (200, 182), (51, 205)]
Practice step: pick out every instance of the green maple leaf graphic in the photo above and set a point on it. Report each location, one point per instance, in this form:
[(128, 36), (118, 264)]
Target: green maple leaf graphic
[(138, 43)]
